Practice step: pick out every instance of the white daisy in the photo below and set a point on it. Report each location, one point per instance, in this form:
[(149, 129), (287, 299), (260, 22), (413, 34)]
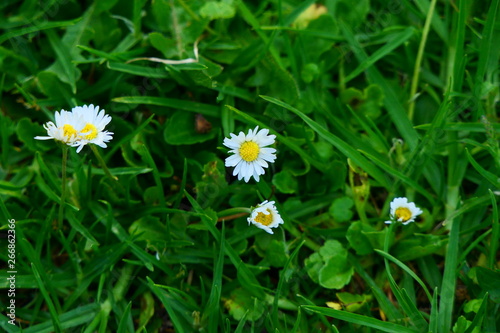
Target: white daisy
[(403, 211), (250, 155), (92, 123), (65, 128), (265, 216)]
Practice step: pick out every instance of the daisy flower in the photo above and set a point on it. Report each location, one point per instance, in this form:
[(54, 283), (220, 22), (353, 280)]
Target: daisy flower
[(64, 129), (403, 211), (265, 216), (92, 123), (250, 156)]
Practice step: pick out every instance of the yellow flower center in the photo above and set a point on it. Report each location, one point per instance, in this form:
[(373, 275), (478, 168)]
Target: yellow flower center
[(68, 131), (403, 213), (263, 218), (249, 151), (91, 130)]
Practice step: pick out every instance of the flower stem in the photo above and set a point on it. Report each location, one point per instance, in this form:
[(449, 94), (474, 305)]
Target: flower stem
[(102, 162), (63, 188), (104, 167)]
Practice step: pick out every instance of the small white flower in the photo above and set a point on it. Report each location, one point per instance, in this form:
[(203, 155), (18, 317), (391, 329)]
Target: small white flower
[(403, 211), (64, 129), (265, 216), (93, 122), (250, 156)]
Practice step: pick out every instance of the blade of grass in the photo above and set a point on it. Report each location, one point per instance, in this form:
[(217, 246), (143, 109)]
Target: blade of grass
[(489, 176), (281, 282), (447, 298), (399, 175), (392, 103), (407, 270), (249, 282), (127, 138), (241, 324), (495, 235), (70, 319), (485, 53), (385, 304), (156, 173), (360, 320), (433, 320), (37, 27), (212, 307), (48, 300), (456, 62), (394, 41), (404, 301), (123, 325), (138, 70), (478, 318), (162, 296), (64, 58), (178, 104), (102, 54), (342, 146)]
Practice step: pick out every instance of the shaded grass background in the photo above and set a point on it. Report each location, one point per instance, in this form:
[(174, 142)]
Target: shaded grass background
[(169, 249)]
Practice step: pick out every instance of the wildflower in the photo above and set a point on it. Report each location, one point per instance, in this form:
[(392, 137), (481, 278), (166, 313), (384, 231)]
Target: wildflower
[(250, 155), (78, 127), (265, 216), (93, 122), (64, 129), (403, 211)]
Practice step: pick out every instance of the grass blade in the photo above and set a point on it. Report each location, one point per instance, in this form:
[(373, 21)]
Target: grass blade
[(53, 312), (406, 269), (392, 103), (492, 178), (360, 320), (178, 104), (395, 41), (495, 235), (162, 296), (449, 279), (342, 146), (433, 321)]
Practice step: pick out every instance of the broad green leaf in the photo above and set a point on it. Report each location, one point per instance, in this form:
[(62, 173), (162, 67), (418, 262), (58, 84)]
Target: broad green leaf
[(217, 10), (240, 301), (181, 130), (285, 182), (341, 209), (358, 239)]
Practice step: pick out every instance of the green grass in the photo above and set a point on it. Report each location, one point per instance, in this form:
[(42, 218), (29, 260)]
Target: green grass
[(369, 101)]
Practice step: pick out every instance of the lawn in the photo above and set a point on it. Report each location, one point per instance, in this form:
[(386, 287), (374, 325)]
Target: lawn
[(249, 166)]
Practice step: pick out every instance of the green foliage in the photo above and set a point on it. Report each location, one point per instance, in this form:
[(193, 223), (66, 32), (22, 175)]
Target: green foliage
[(329, 266), (368, 100)]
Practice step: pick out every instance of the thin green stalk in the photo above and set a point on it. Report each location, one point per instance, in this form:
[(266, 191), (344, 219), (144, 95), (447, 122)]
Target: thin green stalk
[(418, 62), (115, 183), (63, 186), (102, 162)]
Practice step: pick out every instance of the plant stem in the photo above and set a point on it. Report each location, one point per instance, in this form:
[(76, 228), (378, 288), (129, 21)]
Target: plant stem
[(63, 188), (102, 162), (418, 62), (104, 167)]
